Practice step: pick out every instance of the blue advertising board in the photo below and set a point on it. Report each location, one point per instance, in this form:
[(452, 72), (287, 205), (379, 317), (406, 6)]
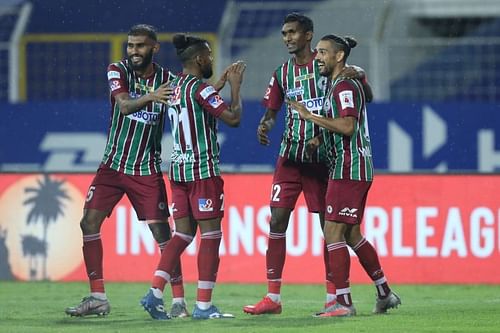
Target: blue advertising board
[(447, 137)]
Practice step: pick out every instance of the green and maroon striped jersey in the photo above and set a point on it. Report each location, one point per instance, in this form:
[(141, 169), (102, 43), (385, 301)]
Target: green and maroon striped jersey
[(193, 113), (134, 141), (350, 157), (302, 83)]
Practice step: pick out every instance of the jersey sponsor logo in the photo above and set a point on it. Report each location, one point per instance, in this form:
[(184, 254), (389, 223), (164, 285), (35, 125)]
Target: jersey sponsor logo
[(349, 212), (205, 205), (148, 118), (365, 151), (304, 77), (326, 105), (179, 158), (313, 105), (294, 92), (346, 99), (113, 75), (207, 92), (114, 85), (215, 101)]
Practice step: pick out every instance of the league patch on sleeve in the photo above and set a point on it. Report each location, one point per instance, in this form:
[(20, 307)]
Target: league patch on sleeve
[(268, 90), (346, 99), (113, 75), (207, 91), (215, 101), (114, 85)]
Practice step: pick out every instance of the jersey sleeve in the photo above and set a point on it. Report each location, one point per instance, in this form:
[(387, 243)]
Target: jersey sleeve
[(210, 100), (117, 80), (346, 99), (273, 98)]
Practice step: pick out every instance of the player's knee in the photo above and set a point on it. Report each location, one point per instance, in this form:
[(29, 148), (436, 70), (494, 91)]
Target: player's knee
[(89, 225), (160, 231), (278, 225)]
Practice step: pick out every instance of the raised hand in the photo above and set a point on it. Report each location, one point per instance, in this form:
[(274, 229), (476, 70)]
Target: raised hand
[(235, 72)]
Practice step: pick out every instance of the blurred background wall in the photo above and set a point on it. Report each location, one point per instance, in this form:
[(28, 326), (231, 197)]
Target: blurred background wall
[(434, 66)]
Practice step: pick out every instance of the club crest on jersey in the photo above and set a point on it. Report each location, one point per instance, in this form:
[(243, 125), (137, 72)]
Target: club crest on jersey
[(321, 83), (113, 75), (205, 205), (346, 99), (294, 92), (215, 101)]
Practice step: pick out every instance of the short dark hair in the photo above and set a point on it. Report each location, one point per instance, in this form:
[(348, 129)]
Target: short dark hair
[(341, 43), (304, 22), (188, 47), (143, 30)]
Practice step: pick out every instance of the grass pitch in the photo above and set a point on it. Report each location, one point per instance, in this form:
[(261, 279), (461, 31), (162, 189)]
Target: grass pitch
[(39, 307)]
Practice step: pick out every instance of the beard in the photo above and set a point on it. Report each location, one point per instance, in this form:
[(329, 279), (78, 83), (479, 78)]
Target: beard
[(146, 61), (207, 72)]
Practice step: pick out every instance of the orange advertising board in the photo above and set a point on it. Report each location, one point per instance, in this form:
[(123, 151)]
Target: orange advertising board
[(426, 229)]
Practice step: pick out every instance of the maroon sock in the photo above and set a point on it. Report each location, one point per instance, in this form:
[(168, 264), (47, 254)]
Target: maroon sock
[(340, 264), (275, 260), (92, 255), (368, 258), (176, 282), (330, 286), (170, 260), (208, 264)]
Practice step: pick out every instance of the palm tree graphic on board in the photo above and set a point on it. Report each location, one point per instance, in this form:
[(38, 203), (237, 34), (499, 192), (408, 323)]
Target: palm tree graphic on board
[(47, 205)]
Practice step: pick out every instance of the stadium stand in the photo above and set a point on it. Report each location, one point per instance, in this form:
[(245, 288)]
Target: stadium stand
[(461, 67), (406, 46), (431, 50)]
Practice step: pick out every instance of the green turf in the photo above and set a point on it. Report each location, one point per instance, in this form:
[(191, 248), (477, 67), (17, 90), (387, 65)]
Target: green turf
[(39, 307)]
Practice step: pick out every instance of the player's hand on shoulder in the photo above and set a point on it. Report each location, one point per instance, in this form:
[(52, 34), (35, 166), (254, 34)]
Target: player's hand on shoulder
[(353, 72), (163, 93)]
